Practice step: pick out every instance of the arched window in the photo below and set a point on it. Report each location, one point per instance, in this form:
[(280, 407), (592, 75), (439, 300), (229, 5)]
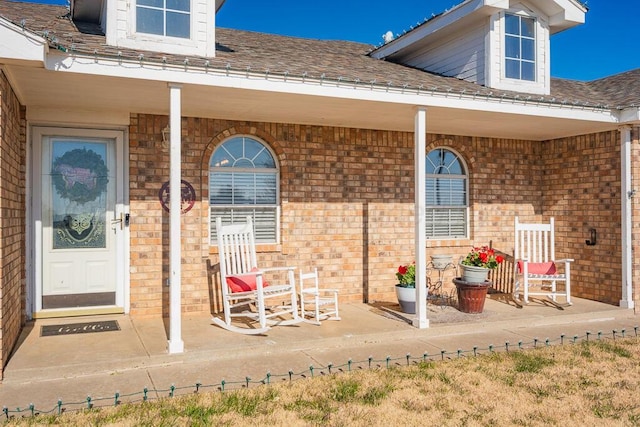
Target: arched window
[(446, 215), (244, 180)]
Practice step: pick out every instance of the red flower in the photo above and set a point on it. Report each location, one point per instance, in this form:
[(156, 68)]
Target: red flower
[(483, 256), (499, 259), (402, 269)]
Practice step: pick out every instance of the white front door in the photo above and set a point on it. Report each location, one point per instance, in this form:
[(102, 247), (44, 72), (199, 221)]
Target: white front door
[(80, 221)]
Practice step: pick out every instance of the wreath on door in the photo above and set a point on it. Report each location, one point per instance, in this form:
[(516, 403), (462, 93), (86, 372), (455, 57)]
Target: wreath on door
[(80, 175)]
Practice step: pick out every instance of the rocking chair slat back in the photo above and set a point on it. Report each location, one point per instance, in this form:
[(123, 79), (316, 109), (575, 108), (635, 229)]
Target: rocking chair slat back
[(535, 242)]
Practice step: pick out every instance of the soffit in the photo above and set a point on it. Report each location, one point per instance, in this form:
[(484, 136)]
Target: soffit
[(44, 89)]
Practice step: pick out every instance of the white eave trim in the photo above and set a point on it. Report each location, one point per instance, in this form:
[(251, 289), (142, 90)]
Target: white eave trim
[(296, 85), (438, 23), (20, 44), (630, 115)]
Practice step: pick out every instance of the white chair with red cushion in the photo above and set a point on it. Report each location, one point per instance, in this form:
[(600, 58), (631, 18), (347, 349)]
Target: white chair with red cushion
[(244, 286), (535, 264)]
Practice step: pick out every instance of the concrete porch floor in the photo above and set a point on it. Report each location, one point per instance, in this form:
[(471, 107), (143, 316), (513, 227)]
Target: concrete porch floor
[(43, 369)]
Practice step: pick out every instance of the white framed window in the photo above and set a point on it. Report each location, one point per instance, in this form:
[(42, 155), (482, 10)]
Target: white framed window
[(447, 200), (170, 18), (244, 180), (520, 47)]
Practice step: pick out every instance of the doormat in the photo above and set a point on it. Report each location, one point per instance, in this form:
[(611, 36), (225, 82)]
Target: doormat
[(79, 328)]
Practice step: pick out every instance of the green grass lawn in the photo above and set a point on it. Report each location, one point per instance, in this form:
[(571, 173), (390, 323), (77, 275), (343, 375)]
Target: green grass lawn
[(595, 383)]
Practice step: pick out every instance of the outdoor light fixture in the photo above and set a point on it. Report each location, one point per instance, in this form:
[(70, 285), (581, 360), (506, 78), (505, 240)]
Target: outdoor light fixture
[(593, 237), (166, 134)]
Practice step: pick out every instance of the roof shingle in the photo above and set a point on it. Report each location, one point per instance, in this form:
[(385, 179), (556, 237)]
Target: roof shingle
[(310, 58)]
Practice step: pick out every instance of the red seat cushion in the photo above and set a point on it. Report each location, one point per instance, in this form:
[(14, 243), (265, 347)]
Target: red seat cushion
[(244, 282), (538, 267)]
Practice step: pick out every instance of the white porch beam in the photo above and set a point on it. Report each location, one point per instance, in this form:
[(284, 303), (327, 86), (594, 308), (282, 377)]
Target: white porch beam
[(176, 345), (420, 142), (627, 197)]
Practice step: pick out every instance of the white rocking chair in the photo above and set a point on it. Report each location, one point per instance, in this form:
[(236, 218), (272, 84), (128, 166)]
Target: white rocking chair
[(243, 284), (319, 304), (535, 264)]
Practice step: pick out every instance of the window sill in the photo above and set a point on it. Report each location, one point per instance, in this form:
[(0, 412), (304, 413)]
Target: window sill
[(448, 243)]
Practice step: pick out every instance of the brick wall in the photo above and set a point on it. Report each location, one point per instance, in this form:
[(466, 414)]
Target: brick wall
[(12, 218), (582, 182), (347, 204)]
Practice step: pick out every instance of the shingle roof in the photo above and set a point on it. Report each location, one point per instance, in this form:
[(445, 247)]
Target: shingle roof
[(341, 61)]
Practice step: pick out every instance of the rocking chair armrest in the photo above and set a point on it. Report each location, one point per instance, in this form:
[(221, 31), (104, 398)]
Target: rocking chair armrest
[(565, 260)]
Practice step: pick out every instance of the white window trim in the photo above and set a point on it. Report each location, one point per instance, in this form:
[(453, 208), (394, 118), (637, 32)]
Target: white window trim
[(495, 58), (134, 22), (278, 204), (467, 177), (157, 38)]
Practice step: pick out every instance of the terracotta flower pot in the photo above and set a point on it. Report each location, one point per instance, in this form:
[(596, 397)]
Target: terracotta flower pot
[(471, 296)]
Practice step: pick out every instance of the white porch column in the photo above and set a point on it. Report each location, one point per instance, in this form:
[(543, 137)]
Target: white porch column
[(176, 345), (420, 142), (627, 196)]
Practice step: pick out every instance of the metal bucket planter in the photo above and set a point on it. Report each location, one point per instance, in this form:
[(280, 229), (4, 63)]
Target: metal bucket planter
[(440, 262), (473, 274)]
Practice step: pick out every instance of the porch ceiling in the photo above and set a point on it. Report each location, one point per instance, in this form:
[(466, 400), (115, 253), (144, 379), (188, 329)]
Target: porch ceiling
[(65, 91)]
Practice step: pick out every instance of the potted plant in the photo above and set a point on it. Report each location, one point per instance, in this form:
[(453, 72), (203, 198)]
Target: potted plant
[(473, 285), (477, 264), (406, 287)]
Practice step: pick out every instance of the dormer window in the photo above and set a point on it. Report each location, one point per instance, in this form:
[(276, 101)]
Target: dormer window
[(170, 18), (520, 47)]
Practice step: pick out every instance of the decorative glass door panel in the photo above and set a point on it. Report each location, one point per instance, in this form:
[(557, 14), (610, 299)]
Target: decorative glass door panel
[(78, 222)]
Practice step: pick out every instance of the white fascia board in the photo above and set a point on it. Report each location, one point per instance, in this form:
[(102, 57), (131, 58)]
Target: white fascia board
[(436, 24), (570, 14), (630, 115), (20, 44), (314, 87)]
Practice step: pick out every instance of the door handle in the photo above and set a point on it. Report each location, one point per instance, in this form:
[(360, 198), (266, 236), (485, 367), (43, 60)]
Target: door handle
[(119, 221)]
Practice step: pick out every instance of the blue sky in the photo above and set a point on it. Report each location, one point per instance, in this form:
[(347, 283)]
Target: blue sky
[(608, 43)]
